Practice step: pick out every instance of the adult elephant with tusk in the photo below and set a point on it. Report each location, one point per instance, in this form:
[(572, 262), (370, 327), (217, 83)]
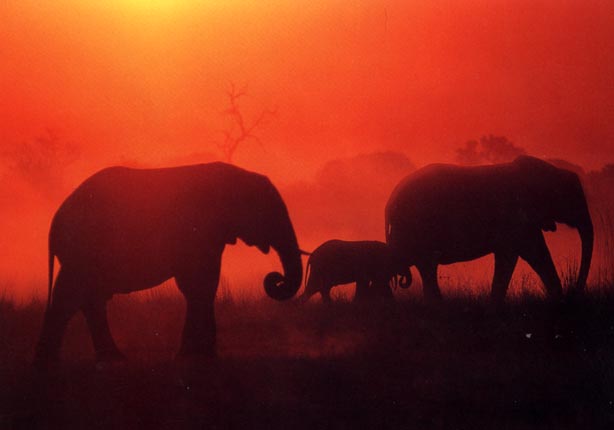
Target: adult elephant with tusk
[(443, 214), (124, 230)]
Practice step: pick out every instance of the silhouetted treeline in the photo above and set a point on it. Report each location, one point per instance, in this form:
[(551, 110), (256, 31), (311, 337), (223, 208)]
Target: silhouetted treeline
[(40, 162), (347, 197), (489, 149)]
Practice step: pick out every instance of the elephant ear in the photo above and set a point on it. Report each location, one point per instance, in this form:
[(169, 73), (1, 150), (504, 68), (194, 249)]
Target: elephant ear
[(228, 222), (533, 193), (233, 207)]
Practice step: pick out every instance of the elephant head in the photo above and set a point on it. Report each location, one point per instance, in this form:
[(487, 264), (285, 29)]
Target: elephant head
[(554, 195), (259, 217)]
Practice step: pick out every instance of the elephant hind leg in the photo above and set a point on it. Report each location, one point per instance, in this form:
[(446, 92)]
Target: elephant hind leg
[(374, 290), (430, 284), (96, 317), (505, 263), (66, 301), (325, 293), (312, 287), (537, 254)]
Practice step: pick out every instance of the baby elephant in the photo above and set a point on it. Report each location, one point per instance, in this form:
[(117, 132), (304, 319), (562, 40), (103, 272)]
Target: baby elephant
[(371, 264)]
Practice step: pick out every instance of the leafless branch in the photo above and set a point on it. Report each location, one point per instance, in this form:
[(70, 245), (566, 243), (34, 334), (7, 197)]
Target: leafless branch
[(239, 130)]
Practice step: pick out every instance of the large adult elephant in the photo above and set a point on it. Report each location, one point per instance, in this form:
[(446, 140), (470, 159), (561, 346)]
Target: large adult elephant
[(444, 214), (124, 230)]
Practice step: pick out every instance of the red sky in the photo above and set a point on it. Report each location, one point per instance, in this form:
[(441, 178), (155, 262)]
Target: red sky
[(144, 82)]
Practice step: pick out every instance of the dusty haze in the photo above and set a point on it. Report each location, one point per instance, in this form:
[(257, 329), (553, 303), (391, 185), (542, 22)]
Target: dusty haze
[(362, 94)]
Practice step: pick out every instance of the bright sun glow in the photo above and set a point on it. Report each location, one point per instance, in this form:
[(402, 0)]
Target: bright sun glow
[(182, 4), (161, 5)]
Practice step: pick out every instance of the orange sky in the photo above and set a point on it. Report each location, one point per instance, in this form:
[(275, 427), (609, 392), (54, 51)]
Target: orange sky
[(144, 82), (147, 81)]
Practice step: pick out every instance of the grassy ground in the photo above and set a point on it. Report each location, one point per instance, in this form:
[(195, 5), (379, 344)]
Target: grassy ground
[(408, 364)]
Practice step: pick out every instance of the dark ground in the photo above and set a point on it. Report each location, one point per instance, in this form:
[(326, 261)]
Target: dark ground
[(408, 364)]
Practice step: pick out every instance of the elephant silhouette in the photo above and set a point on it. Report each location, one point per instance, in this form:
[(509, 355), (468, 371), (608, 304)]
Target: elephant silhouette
[(124, 230), (370, 264), (443, 214)]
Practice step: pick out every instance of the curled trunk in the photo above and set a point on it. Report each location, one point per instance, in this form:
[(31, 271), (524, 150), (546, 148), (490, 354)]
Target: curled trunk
[(284, 286)]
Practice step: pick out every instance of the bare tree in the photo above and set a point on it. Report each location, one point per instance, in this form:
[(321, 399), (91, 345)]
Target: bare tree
[(239, 131), (490, 149), (40, 161)]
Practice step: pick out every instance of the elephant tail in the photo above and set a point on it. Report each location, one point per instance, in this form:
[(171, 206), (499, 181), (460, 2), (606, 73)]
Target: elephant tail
[(401, 280), (50, 282), (307, 272)]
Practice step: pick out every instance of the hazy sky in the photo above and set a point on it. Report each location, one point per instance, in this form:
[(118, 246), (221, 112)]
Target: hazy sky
[(144, 82)]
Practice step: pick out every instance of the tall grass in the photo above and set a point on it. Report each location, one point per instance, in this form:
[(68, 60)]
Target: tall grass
[(605, 240), (401, 364)]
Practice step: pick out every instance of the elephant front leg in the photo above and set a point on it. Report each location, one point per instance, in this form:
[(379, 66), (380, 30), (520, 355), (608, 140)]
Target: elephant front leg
[(199, 288), (96, 318), (312, 287), (537, 254), (505, 263), (362, 290), (382, 289), (430, 284)]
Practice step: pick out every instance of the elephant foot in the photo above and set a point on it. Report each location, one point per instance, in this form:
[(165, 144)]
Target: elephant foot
[(386, 299), (197, 356), (197, 353), (303, 298), (45, 363), (574, 299), (433, 298), (196, 361), (109, 360), (46, 357), (497, 299), (110, 356), (103, 366), (497, 308)]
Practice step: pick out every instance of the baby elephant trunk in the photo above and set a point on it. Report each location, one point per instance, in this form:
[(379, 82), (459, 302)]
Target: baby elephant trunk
[(405, 279)]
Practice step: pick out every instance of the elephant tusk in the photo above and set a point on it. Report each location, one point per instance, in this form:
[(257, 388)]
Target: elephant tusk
[(304, 252)]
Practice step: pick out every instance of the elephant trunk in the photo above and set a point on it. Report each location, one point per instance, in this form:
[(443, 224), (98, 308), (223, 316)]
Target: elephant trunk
[(405, 279), (587, 237), (283, 287)]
